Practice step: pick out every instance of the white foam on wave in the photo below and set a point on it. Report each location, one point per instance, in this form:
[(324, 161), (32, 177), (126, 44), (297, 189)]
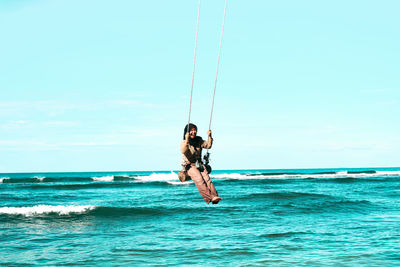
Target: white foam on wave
[(388, 173), (180, 183), (4, 178), (103, 178), (230, 176), (46, 209), (262, 176), (39, 178), (367, 175), (159, 177)]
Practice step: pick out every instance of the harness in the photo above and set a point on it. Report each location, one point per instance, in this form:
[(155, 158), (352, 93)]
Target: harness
[(200, 165)]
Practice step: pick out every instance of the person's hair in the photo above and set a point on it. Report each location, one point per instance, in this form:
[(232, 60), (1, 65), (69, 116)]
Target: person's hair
[(195, 141), (191, 125)]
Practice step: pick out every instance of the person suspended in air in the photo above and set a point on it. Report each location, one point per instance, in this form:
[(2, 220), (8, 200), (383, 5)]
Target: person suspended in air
[(191, 148)]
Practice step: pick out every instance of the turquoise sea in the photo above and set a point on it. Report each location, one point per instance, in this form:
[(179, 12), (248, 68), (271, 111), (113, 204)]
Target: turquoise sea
[(305, 217)]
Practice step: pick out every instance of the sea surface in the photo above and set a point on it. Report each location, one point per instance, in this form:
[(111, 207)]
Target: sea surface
[(305, 217)]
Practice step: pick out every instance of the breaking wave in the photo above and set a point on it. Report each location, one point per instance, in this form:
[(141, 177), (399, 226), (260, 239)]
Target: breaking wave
[(48, 211), (158, 177), (2, 179), (318, 175), (104, 178), (45, 209), (172, 177)]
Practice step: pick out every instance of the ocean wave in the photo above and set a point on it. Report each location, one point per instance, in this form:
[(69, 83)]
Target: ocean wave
[(289, 202), (49, 211), (103, 178), (158, 177), (316, 175), (2, 179), (154, 177), (97, 185), (20, 180), (179, 183), (230, 176), (172, 177), (124, 177), (323, 205), (39, 178), (45, 209), (283, 234), (360, 172), (340, 205), (286, 195), (78, 186), (387, 173)]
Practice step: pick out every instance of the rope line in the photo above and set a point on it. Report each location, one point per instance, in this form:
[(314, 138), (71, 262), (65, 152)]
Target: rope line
[(216, 75), (219, 55), (194, 64)]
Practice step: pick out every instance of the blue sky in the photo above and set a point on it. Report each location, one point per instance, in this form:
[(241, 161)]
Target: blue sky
[(105, 85)]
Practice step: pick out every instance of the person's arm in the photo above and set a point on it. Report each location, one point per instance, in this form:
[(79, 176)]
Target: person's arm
[(185, 144), (208, 144)]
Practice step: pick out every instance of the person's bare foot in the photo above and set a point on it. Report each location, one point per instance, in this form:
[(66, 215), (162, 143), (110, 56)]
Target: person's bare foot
[(215, 200)]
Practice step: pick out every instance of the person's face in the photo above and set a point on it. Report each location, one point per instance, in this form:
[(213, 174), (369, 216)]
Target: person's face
[(193, 132)]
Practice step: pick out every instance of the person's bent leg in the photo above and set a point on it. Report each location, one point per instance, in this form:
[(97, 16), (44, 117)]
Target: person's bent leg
[(209, 183), (201, 185)]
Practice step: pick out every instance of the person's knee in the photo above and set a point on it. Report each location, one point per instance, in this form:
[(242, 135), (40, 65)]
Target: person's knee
[(194, 173), (206, 177)]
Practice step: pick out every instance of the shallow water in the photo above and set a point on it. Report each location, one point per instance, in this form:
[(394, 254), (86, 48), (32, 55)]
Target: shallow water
[(268, 217)]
